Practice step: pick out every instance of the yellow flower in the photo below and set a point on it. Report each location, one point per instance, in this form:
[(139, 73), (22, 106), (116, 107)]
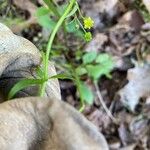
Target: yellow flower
[(88, 23), (88, 36)]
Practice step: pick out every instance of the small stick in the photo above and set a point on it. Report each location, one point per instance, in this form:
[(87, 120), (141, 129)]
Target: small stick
[(103, 103)]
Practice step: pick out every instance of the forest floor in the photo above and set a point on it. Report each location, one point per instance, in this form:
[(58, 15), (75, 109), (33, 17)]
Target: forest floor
[(121, 29)]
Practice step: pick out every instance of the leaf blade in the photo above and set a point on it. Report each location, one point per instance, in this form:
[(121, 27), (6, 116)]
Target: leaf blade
[(85, 93), (23, 84), (89, 57), (61, 76)]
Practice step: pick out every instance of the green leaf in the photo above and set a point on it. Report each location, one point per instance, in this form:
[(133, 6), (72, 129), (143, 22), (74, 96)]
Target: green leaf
[(79, 33), (85, 93), (78, 54), (89, 57), (81, 71), (72, 26), (41, 11), (39, 72), (61, 76), (46, 21), (23, 84), (103, 58), (106, 61), (96, 71)]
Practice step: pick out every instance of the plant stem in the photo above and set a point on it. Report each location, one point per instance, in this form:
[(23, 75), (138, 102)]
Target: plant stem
[(51, 39), (81, 25), (77, 79)]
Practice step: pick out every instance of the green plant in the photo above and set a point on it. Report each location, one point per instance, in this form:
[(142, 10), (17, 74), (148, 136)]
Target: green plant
[(91, 64), (94, 66)]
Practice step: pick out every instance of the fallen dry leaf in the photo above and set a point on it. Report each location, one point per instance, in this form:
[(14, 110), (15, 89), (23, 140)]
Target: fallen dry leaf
[(102, 11), (125, 135), (130, 147), (97, 43), (99, 118), (133, 19), (137, 87), (139, 128)]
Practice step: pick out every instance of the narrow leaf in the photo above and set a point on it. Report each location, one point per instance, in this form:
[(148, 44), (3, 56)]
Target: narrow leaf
[(23, 84), (61, 76), (39, 72)]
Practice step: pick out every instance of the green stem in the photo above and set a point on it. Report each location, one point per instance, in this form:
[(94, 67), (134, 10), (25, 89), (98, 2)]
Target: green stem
[(81, 109), (79, 11), (80, 24), (49, 46)]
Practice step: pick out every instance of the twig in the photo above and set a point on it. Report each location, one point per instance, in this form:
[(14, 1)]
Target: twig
[(103, 103), (138, 53)]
